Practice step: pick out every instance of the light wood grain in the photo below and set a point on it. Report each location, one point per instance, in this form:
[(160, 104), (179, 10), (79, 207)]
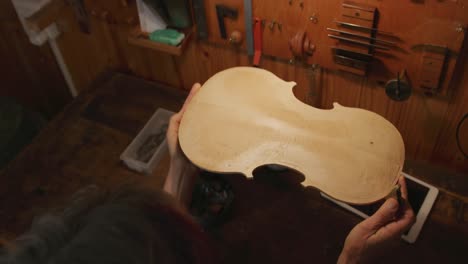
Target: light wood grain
[(244, 117)]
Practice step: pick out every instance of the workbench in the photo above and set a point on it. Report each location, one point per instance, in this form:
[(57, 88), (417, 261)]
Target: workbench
[(271, 221)]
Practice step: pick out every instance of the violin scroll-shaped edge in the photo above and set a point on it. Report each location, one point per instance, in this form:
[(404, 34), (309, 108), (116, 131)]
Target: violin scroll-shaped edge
[(243, 118)]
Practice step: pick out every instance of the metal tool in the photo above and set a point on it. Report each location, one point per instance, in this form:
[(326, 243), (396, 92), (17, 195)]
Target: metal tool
[(200, 18), (367, 44), (223, 11), (81, 15), (398, 89), (351, 25), (350, 62), (362, 37), (352, 54), (249, 27)]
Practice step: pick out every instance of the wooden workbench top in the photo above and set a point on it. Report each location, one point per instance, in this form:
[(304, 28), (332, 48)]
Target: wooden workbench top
[(270, 222)]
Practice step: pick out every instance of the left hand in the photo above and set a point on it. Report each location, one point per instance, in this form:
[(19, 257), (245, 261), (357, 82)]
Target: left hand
[(172, 134), (182, 173)]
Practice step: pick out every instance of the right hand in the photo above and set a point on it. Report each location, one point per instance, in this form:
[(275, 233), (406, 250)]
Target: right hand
[(376, 233)]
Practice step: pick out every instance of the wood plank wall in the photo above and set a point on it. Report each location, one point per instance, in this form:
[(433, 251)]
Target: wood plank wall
[(427, 124), (29, 73)]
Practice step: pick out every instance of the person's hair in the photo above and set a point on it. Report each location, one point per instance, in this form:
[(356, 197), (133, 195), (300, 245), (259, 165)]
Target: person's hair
[(130, 226)]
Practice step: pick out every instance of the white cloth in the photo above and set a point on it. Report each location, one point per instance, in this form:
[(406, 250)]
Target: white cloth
[(26, 8)]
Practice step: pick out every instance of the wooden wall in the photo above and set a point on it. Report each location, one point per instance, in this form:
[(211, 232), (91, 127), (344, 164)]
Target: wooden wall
[(29, 73), (427, 124)]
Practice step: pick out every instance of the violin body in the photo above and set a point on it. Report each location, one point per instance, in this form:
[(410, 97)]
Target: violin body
[(243, 118)]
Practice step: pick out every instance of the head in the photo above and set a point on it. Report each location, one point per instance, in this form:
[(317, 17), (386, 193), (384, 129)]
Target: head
[(129, 226)]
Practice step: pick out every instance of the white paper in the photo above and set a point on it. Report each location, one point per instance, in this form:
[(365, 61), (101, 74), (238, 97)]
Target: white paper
[(149, 21)]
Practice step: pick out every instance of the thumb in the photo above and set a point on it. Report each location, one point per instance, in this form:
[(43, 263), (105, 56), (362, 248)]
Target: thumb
[(192, 93), (383, 216)]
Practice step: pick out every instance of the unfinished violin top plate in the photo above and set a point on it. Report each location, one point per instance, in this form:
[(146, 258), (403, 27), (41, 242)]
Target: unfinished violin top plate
[(243, 118)]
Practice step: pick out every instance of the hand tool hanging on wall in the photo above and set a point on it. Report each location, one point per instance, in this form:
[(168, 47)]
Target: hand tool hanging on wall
[(249, 26), (200, 18), (386, 42), (357, 42), (81, 15), (258, 41), (223, 11), (235, 38), (300, 45), (354, 26), (351, 58), (352, 54), (350, 62), (398, 89), (432, 66)]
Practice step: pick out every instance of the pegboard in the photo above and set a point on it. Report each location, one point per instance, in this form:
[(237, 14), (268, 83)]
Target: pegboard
[(427, 35)]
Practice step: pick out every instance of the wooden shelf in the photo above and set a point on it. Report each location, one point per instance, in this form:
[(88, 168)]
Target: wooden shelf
[(139, 38)]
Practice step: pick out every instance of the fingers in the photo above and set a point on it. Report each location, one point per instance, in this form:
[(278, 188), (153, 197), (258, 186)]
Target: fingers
[(176, 118), (173, 127), (401, 225), (174, 122), (382, 217), (405, 207), (391, 220), (192, 93), (395, 220), (403, 188)]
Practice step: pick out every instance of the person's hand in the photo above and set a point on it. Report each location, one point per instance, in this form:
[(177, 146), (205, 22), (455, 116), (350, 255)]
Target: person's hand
[(172, 134), (375, 234), (182, 173)]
